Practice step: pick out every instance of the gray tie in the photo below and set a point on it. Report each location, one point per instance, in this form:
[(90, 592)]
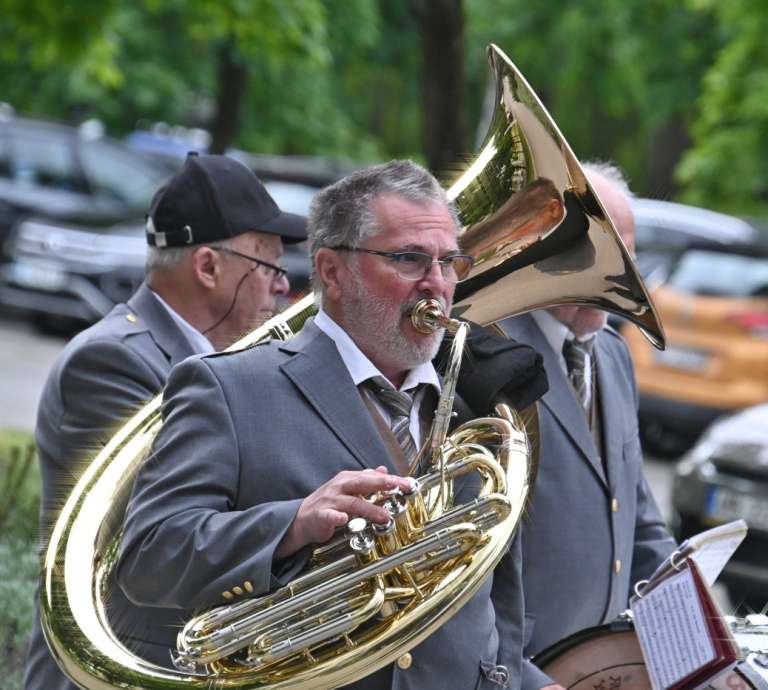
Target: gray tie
[(576, 353), (398, 404)]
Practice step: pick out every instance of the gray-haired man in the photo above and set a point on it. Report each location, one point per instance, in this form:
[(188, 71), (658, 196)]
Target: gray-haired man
[(215, 239), (234, 493), (593, 528)]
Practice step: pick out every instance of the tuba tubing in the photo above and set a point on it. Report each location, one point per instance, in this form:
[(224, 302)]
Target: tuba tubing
[(540, 237)]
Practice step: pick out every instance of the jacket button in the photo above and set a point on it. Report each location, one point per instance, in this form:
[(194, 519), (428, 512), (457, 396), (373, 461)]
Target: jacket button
[(405, 661), (615, 505), (227, 594), (617, 566), (131, 317), (237, 590), (248, 586)]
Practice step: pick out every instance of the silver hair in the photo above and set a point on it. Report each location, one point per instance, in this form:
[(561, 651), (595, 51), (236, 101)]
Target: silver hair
[(168, 258), (611, 172), (342, 214)]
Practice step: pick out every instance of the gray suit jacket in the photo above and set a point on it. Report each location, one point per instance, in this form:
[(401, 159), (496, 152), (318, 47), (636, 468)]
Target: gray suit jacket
[(593, 528), (102, 376), (246, 437)]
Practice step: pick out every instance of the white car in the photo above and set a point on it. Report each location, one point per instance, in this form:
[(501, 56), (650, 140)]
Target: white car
[(722, 478)]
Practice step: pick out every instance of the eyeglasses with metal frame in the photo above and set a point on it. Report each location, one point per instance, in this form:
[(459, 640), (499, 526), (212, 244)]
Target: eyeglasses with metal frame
[(277, 272), (415, 265)]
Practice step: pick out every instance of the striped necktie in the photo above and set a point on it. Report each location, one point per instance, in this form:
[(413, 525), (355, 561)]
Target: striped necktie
[(576, 353), (398, 404)]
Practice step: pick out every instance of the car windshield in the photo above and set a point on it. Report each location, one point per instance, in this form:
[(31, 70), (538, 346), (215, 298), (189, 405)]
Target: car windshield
[(121, 174), (39, 158), (721, 274)]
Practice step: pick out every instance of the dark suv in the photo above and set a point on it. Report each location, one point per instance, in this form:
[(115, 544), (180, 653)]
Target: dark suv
[(71, 201)]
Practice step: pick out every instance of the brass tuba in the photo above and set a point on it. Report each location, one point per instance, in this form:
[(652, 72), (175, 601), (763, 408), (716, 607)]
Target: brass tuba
[(541, 237)]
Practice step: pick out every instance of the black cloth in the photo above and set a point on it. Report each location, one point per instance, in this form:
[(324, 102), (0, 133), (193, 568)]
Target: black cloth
[(495, 366)]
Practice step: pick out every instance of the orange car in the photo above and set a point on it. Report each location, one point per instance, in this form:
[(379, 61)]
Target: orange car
[(714, 307)]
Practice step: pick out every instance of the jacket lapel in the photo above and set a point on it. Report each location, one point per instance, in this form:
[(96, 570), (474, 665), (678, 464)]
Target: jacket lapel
[(559, 400), (318, 371), (610, 403), (160, 325)]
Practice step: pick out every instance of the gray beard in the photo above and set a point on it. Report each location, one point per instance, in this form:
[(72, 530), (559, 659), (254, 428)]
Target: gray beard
[(377, 328)]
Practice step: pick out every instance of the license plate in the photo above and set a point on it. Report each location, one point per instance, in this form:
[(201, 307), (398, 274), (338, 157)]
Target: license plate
[(48, 277), (724, 505), (682, 358)]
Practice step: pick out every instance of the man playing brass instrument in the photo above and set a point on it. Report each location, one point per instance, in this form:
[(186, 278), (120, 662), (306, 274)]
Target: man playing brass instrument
[(265, 452)]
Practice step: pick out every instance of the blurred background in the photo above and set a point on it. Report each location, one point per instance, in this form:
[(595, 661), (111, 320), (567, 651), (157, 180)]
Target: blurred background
[(101, 100)]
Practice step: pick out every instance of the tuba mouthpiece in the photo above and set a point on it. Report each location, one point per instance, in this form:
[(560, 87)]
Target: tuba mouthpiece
[(428, 315)]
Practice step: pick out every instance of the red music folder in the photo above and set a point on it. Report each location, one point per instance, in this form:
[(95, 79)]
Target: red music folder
[(683, 635)]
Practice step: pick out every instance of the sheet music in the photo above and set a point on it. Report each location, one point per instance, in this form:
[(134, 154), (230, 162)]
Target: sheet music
[(712, 549), (670, 624)]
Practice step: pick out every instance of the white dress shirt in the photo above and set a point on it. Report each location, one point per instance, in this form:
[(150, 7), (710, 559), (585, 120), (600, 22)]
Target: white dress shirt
[(361, 369), (200, 344)]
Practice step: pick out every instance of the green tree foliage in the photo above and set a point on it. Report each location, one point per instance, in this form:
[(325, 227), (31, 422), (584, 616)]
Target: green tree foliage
[(727, 166), (152, 60), (623, 79), (619, 77), (42, 33)]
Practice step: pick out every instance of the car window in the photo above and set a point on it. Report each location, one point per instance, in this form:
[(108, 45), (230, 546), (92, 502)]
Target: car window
[(120, 174), (664, 235), (37, 159), (720, 274), (292, 197)]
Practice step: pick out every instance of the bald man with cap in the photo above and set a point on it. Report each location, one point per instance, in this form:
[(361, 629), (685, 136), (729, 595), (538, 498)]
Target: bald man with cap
[(215, 239), (593, 528)]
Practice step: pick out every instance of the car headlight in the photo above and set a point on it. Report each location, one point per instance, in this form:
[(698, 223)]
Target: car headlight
[(41, 239), (698, 458), (687, 467)]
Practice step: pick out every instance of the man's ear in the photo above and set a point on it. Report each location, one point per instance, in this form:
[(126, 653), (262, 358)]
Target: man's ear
[(206, 267), (329, 266)]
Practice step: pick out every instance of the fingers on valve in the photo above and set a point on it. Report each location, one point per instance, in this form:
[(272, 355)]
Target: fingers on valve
[(366, 482)]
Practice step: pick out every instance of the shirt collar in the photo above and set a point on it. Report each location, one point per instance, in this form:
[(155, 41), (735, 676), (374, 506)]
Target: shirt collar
[(555, 332), (200, 344), (360, 367)]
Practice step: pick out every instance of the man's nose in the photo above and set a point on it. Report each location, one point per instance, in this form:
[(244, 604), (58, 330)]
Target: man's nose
[(281, 286), (433, 281)]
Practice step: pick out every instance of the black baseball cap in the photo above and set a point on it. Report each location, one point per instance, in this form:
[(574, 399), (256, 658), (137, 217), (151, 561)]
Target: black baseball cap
[(214, 198)]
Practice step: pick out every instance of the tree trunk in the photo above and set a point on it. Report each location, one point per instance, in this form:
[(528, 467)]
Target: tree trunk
[(232, 79), (444, 136), (666, 149)]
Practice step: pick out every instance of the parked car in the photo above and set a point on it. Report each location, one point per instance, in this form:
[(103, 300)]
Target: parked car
[(722, 478), (714, 307), (70, 275), (74, 238), (664, 228), (71, 175), (63, 191), (171, 145)]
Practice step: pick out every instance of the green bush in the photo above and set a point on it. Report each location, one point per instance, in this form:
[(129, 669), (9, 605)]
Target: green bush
[(19, 506)]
